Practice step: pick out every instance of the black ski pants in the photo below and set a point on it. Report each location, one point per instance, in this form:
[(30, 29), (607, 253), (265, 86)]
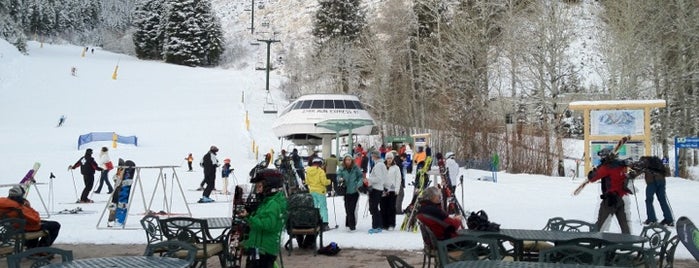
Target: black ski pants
[(613, 205), (89, 180), (259, 260), (351, 210), (52, 228), (189, 164), (374, 202), (210, 181), (388, 210)]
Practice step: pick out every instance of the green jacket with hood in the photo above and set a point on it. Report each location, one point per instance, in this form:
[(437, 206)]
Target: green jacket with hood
[(266, 224)]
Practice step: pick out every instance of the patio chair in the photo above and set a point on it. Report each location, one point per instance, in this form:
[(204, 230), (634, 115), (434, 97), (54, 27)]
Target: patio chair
[(509, 248), (667, 258), (173, 249), (532, 248), (40, 256), (429, 246), (577, 226), (396, 262), (303, 221), (196, 232), (151, 226), (657, 236), (467, 248), (622, 255), (587, 242), (11, 231), (571, 254)]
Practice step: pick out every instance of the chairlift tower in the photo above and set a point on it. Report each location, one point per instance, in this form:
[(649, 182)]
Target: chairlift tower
[(270, 107)]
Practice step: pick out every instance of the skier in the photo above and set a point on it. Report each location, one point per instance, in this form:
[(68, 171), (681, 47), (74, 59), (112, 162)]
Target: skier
[(225, 172), (209, 162), (298, 165), (330, 168), (388, 199), (453, 170), (431, 214), (61, 120), (654, 172), (106, 166), (376, 181), (351, 175), (612, 172), (189, 159), (14, 203), (88, 166), (267, 221), (317, 182)]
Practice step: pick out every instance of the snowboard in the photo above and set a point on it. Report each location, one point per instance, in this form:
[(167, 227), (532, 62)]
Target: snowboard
[(689, 235)]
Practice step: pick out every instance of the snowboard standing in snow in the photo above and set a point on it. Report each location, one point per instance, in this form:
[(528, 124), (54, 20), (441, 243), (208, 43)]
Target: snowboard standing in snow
[(689, 235), (121, 194)]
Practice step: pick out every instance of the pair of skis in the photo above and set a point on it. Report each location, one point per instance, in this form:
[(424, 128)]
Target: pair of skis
[(409, 222), (614, 151)]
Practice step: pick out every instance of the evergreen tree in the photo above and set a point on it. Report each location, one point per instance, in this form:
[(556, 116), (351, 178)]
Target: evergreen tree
[(11, 23), (148, 37), (182, 43), (339, 19), (211, 38)]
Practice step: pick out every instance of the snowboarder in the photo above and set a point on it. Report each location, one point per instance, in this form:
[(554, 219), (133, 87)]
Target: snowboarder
[(209, 162), (61, 120), (87, 166), (106, 166), (330, 168), (376, 180), (351, 175), (298, 165), (317, 182), (612, 172), (388, 199), (225, 173), (189, 159), (15, 202)]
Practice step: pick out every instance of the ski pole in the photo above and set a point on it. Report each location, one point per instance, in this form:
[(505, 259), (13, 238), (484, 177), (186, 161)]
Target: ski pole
[(366, 209), (461, 181), (335, 213), (75, 187), (638, 211)]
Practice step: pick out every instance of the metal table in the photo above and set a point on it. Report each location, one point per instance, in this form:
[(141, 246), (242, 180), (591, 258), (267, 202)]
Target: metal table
[(510, 264), (219, 223), (558, 236), (123, 262)]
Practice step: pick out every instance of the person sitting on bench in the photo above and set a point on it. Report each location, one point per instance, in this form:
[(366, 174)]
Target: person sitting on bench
[(11, 207)]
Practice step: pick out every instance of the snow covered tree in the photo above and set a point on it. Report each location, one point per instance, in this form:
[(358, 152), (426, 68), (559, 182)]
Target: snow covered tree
[(11, 23), (339, 19), (183, 44), (148, 37), (211, 37)]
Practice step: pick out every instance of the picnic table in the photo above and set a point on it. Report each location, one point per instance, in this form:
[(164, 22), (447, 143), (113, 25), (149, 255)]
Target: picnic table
[(559, 236), (123, 262), (510, 264)]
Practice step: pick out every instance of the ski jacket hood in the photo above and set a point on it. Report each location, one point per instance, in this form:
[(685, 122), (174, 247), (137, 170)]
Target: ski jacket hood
[(316, 180)]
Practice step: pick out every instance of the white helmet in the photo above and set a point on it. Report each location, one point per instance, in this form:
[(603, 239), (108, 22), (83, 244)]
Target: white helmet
[(449, 155)]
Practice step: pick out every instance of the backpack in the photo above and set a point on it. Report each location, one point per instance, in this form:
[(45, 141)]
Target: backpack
[(330, 250), (302, 212), (479, 221)]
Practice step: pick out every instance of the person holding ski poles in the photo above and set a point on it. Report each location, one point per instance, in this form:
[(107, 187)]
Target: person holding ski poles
[(612, 172), (106, 166), (87, 166), (351, 175), (376, 181), (189, 159), (317, 182)]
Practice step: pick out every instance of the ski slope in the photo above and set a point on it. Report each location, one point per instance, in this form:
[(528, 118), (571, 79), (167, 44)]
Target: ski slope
[(176, 110)]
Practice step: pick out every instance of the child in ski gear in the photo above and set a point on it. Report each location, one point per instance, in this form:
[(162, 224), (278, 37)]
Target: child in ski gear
[(330, 167), (654, 172), (388, 199), (106, 166), (267, 221), (351, 175), (88, 166), (432, 215), (225, 173), (209, 162), (298, 165), (612, 172), (453, 170), (376, 181), (14, 202), (189, 159), (317, 182)]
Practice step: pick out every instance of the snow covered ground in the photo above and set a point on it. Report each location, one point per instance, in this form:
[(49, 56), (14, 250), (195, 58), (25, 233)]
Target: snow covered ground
[(175, 110)]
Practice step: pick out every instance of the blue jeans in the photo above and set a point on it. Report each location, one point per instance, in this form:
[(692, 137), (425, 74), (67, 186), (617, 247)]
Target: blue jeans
[(104, 179), (657, 187)]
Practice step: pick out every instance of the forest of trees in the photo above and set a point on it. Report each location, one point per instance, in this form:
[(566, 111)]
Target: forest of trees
[(459, 68)]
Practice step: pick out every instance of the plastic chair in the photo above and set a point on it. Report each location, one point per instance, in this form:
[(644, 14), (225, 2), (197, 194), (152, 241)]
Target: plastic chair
[(40, 256), (667, 258), (11, 236), (173, 249), (396, 262), (467, 248), (571, 254)]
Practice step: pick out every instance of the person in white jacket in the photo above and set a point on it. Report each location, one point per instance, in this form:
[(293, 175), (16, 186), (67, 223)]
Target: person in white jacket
[(453, 170), (376, 181), (388, 200), (104, 176)]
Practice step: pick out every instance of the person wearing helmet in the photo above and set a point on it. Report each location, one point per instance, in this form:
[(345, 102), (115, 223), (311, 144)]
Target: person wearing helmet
[(209, 162), (226, 171), (612, 173), (453, 170), (317, 182), (351, 175), (88, 166), (267, 221)]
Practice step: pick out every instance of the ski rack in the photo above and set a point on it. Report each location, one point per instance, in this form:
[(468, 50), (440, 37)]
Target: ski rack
[(137, 184), (28, 185)]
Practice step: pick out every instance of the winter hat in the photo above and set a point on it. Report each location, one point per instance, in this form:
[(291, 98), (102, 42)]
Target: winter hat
[(213, 149), (88, 152), (16, 191), (450, 155), (389, 155), (283, 152), (317, 161), (227, 160)]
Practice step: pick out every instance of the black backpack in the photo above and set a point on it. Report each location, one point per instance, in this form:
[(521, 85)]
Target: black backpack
[(479, 221), (302, 212)]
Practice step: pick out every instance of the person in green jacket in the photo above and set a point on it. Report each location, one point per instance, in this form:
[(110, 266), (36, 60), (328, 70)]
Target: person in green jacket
[(267, 221), (351, 175), (317, 182)]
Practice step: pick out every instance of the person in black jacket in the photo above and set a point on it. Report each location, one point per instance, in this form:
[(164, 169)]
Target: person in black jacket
[(88, 166), (209, 162), (298, 165)]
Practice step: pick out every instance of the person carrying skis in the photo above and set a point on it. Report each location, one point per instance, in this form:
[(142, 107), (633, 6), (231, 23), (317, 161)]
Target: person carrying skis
[(15, 202), (330, 167), (209, 162), (87, 166), (189, 159), (376, 181), (298, 165), (453, 170), (106, 166), (434, 217), (612, 172), (226, 171), (267, 221), (388, 199), (317, 182), (351, 175)]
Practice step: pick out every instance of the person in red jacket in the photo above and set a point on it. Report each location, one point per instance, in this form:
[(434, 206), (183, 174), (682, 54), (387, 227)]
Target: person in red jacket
[(434, 217), (15, 201), (612, 173)]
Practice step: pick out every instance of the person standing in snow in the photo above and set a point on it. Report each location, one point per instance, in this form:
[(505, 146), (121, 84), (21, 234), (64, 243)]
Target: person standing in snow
[(612, 172), (87, 166), (298, 165), (351, 175), (453, 171), (189, 159), (376, 181), (330, 167), (209, 162), (226, 171), (388, 199), (403, 163), (317, 182), (106, 166)]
